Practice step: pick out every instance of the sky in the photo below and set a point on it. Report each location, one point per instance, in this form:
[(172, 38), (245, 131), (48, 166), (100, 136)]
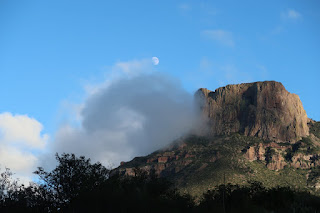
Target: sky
[(78, 76)]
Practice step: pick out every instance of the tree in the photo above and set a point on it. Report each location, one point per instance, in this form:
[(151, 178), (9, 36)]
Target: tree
[(71, 177), (7, 185)]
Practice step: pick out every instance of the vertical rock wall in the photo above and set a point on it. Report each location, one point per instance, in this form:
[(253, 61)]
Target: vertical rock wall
[(263, 109)]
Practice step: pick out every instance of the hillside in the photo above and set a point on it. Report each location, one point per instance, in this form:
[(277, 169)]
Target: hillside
[(246, 143)]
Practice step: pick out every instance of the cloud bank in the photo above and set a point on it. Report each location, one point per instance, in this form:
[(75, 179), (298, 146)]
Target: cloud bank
[(220, 36), (130, 115)]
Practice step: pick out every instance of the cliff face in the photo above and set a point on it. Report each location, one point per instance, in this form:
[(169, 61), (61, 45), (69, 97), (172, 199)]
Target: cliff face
[(263, 109)]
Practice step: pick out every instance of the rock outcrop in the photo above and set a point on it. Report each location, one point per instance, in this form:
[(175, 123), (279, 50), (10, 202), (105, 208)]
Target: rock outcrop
[(263, 109), (255, 153), (276, 161)]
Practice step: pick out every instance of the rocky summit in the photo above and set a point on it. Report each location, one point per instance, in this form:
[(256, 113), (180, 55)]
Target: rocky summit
[(257, 132), (263, 109)]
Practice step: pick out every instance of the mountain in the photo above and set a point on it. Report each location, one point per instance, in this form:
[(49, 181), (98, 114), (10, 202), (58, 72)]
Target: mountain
[(255, 132), (263, 109)]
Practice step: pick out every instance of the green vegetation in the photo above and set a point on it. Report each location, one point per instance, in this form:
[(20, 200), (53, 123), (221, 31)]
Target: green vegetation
[(314, 176), (67, 181), (205, 166), (309, 146), (222, 158), (256, 198), (217, 160), (314, 128), (306, 146), (269, 153), (77, 185), (289, 177)]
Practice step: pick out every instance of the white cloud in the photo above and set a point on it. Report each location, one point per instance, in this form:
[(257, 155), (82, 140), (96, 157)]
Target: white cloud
[(184, 7), (212, 74), (220, 36), (208, 8), (20, 138), (132, 68), (21, 130), (291, 14), (16, 159), (120, 70)]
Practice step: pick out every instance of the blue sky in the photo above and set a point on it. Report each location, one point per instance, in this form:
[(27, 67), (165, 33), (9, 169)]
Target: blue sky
[(50, 51)]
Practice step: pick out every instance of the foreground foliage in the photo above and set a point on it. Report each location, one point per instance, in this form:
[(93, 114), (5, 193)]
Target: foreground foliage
[(77, 185)]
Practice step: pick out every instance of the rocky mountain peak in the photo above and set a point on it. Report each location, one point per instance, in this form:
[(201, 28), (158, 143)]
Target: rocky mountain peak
[(263, 109)]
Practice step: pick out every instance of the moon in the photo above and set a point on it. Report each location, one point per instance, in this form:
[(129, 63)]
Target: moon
[(155, 60)]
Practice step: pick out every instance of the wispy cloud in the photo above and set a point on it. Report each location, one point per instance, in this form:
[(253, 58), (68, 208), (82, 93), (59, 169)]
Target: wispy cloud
[(208, 8), (287, 16), (232, 75), (206, 66), (184, 7), (277, 30), (120, 70), (291, 14), (262, 71), (220, 36), (212, 73)]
